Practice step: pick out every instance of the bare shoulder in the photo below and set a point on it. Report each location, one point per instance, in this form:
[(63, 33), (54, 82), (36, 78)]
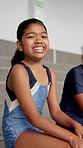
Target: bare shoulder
[(18, 69), (18, 76), (53, 73), (18, 72)]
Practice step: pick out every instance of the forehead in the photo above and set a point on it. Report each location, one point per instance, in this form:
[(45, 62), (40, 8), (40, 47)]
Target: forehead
[(35, 28)]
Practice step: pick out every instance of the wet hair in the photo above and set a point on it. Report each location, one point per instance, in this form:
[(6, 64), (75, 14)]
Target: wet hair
[(19, 55)]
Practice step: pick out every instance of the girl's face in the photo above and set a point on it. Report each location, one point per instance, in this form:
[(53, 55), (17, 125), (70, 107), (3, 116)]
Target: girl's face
[(34, 42)]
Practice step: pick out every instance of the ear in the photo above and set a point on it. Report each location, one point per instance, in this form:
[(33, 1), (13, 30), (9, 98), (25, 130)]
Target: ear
[(19, 46)]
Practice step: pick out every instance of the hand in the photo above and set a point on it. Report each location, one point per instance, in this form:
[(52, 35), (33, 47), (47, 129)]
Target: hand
[(79, 131), (76, 142)]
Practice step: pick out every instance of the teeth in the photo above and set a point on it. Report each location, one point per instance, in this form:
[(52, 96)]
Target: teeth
[(38, 48)]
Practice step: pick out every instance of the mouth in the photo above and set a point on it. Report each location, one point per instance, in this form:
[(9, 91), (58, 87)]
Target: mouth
[(39, 48)]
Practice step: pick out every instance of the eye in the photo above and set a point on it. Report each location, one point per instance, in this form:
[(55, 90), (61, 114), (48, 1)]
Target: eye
[(31, 36), (44, 36)]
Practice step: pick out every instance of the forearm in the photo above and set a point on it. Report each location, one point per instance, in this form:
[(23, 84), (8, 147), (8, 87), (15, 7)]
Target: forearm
[(65, 120), (52, 129)]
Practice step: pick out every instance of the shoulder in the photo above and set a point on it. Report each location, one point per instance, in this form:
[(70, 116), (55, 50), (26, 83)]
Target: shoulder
[(17, 74), (74, 75), (76, 69), (72, 71), (18, 70), (53, 74), (50, 70)]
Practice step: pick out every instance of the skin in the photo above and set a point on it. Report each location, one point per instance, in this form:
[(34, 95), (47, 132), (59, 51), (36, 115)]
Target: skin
[(35, 46), (79, 100)]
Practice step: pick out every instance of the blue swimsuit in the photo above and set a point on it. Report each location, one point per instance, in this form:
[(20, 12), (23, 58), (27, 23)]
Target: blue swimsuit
[(14, 121)]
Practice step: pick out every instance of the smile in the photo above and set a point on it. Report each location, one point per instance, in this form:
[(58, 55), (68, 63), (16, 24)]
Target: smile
[(39, 49)]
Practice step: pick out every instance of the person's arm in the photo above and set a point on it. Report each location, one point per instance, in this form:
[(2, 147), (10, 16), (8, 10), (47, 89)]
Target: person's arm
[(76, 78), (19, 83), (79, 100), (56, 113)]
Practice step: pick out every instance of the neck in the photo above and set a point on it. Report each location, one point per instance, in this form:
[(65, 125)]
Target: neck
[(32, 63)]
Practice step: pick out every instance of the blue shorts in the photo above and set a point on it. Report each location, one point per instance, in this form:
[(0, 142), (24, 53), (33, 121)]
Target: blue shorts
[(13, 124)]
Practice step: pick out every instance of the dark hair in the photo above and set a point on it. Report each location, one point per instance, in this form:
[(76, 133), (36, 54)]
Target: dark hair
[(19, 55)]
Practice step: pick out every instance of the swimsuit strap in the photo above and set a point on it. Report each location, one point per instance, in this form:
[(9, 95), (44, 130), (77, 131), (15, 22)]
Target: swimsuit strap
[(31, 74)]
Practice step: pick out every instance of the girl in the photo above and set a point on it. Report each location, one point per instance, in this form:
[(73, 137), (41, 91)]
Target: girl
[(29, 83)]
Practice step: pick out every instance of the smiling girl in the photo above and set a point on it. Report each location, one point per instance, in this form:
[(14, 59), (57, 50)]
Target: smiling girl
[(29, 84)]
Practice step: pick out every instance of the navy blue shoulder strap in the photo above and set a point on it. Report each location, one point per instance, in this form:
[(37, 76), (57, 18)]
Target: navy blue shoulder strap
[(31, 76), (48, 73)]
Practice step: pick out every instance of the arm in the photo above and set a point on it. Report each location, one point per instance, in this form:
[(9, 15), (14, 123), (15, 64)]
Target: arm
[(19, 83), (56, 113), (79, 100), (76, 77)]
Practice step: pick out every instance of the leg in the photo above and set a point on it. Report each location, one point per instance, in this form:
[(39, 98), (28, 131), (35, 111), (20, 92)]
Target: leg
[(30, 139)]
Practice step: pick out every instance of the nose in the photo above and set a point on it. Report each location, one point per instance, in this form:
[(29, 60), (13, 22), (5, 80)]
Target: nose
[(38, 40)]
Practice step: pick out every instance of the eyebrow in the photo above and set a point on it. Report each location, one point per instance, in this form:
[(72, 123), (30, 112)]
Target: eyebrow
[(35, 33)]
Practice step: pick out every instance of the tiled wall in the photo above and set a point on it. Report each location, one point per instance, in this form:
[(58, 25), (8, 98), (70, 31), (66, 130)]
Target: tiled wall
[(59, 61)]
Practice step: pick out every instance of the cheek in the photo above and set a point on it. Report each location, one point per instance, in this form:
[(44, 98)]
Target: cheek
[(27, 45), (48, 44)]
